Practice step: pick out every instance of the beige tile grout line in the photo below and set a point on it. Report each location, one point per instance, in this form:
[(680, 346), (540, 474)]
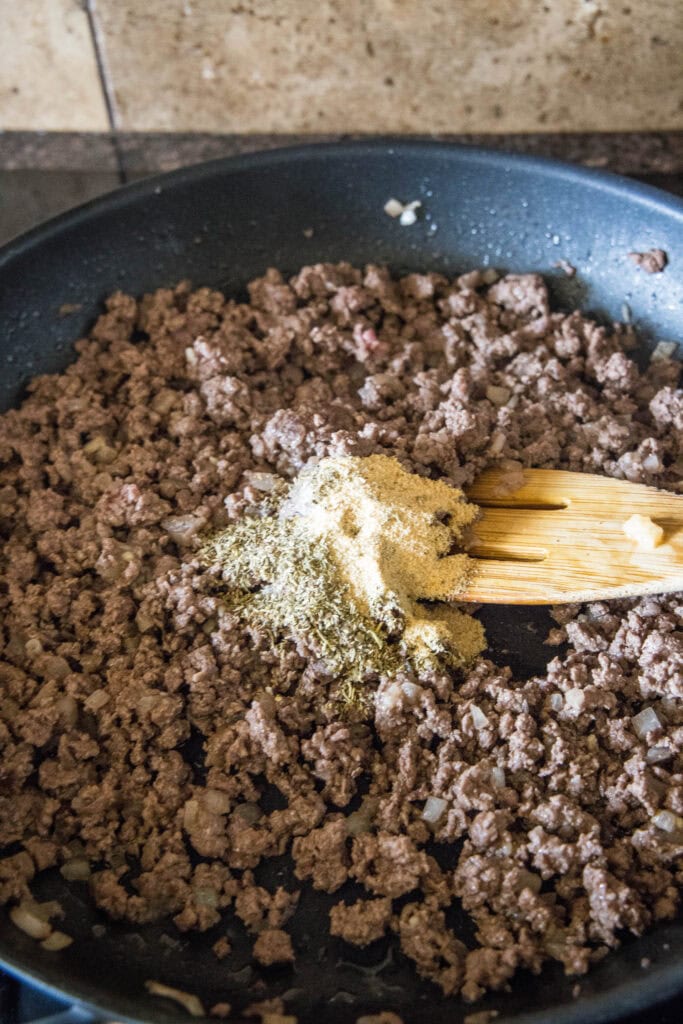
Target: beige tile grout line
[(106, 84)]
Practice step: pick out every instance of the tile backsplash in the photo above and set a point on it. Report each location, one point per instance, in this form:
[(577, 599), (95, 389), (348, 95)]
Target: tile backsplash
[(342, 65), (48, 68)]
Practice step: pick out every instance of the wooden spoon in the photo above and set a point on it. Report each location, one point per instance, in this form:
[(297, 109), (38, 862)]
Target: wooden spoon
[(559, 537)]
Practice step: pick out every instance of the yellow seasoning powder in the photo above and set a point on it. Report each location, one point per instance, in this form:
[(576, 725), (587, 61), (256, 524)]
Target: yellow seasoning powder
[(356, 559)]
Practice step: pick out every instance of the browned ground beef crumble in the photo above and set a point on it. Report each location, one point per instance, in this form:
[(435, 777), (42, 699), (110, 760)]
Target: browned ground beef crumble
[(115, 643), (652, 262)]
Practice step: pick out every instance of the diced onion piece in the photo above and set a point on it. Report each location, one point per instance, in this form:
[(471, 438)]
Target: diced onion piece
[(393, 207), (663, 350), (498, 777), (556, 701), (667, 821), (498, 441), (479, 719), (248, 812), (408, 216), (528, 880), (652, 463), (24, 917), (356, 823), (574, 699), (48, 909), (404, 211), (76, 870), (647, 535), (55, 667), (68, 710), (645, 721), (498, 395), (182, 528), (655, 755), (261, 481), (147, 703), (56, 941), (555, 942), (100, 450), (190, 1002), (511, 475), (97, 700), (361, 820), (143, 620), (434, 809), (94, 444), (205, 897), (164, 401), (389, 698), (411, 691), (190, 813), (216, 801)]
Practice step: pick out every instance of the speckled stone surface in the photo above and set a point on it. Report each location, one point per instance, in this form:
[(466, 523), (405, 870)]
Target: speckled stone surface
[(136, 153), (48, 69), (55, 151), (624, 153), (393, 65)]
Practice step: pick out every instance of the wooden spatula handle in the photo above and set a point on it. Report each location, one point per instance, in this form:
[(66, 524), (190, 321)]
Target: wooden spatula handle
[(559, 537)]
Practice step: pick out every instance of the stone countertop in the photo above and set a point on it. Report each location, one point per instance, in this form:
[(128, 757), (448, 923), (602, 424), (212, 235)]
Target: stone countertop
[(135, 153)]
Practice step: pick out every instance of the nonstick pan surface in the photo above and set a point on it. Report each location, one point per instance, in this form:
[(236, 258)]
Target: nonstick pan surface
[(221, 224)]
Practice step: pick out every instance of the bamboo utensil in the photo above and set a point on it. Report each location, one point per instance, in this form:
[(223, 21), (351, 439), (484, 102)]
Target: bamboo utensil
[(560, 537)]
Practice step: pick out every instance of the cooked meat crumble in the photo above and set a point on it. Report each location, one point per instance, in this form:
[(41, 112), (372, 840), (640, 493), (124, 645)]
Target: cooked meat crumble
[(652, 262), (563, 791)]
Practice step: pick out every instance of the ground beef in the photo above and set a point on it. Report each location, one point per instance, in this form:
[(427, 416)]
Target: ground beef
[(273, 946), (221, 948), (436, 952), (362, 922), (322, 855), (652, 262), (388, 865), (117, 654), (260, 909)]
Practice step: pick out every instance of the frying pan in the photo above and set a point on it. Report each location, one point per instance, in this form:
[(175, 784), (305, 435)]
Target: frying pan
[(220, 224)]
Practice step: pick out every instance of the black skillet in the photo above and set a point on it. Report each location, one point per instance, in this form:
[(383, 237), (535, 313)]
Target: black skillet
[(220, 224)]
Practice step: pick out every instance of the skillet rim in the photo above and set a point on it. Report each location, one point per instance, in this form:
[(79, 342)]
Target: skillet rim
[(125, 194), (641, 992)]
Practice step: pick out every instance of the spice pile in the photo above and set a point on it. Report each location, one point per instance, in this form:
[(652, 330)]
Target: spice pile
[(560, 797), (344, 560)]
